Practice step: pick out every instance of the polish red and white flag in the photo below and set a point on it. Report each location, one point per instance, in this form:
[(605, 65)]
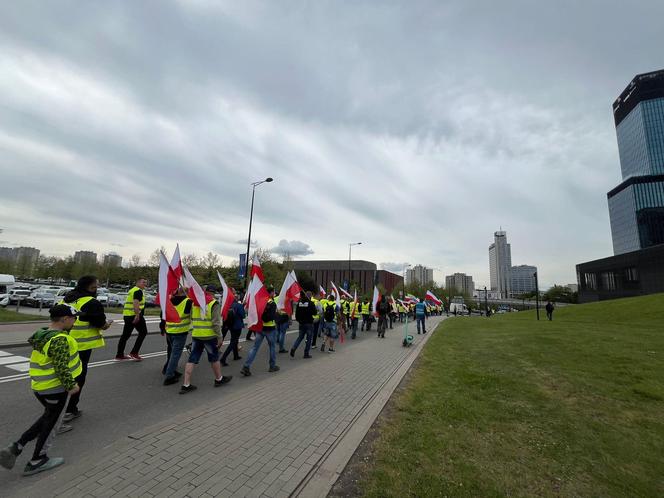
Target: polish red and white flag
[(376, 299), (256, 269), (337, 298), (321, 291), (227, 297), (168, 284), (430, 296), (290, 291), (176, 263), (354, 310), (345, 293), (257, 298), (196, 292)]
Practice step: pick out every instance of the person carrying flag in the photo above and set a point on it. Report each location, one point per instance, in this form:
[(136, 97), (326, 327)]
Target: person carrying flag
[(176, 334), (268, 332)]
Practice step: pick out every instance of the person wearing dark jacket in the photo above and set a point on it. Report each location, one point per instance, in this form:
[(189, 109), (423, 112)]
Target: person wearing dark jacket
[(87, 331), (304, 314), (235, 325), (382, 308), (54, 367), (549, 310)]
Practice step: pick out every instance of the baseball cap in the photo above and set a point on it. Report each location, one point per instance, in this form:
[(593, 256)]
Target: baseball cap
[(62, 310)]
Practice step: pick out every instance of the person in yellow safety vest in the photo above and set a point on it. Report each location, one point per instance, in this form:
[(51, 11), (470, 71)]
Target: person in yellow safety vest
[(402, 311), (87, 331), (366, 314), (54, 366), (317, 323), (176, 335), (206, 336), (354, 315), (345, 311), (132, 314), (331, 312), (282, 326), (267, 332)]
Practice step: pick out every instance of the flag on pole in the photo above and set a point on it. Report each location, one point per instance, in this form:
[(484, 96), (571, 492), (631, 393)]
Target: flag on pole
[(345, 293), (227, 298), (374, 302), (257, 297), (290, 291), (168, 284), (431, 297), (321, 291), (196, 292), (354, 310), (336, 296), (176, 263), (256, 269), (296, 295)]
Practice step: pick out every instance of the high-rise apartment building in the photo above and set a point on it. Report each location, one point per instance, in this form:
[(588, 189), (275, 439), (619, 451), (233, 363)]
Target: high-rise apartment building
[(523, 279), (85, 258), (636, 206), (460, 282), (112, 260), (500, 264), (22, 260), (420, 274)]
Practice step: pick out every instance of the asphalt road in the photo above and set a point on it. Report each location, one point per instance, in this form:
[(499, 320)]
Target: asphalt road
[(122, 398)]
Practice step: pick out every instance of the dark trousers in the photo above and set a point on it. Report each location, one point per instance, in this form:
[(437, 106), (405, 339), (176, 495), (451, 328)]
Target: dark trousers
[(316, 333), (129, 326), (366, 322), (41, 430), (306, 331), (72, 406), (235, 339), (353, 327), (549, 315)]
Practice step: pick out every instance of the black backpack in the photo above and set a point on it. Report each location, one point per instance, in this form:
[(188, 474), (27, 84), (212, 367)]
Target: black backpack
[(270, 312), (329, 313)]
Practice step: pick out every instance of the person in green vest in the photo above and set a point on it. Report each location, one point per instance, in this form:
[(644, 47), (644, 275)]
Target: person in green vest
[(87, 331), (206, 336), (132, 314), (54, 366), (176, 334)]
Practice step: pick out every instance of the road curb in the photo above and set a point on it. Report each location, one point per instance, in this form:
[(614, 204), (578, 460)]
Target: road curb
[(322, 477)]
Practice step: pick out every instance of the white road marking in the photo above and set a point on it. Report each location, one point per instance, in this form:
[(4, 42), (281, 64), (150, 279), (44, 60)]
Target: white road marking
[(6, 360), (21, 367)]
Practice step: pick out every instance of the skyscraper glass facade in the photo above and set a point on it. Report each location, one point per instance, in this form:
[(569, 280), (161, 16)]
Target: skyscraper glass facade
[(636, 206)]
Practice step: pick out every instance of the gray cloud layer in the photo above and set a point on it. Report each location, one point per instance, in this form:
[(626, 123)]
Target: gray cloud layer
[(416, 127)]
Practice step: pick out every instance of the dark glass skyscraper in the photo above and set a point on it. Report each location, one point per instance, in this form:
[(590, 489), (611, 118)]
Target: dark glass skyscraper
[(636, 206)]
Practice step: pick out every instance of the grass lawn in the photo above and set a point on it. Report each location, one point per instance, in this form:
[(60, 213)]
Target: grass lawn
[(147, 312), (508, 406), (11, 316)]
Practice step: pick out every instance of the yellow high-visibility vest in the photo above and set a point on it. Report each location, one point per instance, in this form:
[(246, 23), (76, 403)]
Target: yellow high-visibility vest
[(129, 302), (202, 327), (42, 374), (184, 325)]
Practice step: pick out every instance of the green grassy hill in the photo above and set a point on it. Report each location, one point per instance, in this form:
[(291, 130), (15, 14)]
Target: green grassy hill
[(508, 406)]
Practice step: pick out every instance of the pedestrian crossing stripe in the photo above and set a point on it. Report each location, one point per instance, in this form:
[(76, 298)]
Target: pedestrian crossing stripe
[(19, 363)]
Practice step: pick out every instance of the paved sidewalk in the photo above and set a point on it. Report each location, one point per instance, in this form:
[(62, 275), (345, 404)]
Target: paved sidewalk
[(266, 441)]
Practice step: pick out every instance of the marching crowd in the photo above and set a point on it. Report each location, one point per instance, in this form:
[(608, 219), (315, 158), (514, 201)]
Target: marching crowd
[(62, 350)]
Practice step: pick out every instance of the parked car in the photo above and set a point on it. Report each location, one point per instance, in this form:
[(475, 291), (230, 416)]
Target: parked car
[(60, 295), (4, 300), (16, 295), (47, 299), (150, 300), (114, 300)]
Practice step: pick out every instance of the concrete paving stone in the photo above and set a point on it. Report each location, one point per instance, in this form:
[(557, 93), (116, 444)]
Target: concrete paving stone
[(163, 485), (219, 486), (284, 463)]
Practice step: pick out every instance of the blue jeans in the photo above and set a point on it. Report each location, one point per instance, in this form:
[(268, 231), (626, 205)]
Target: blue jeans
[(177, 342), (306, 330), (420, 319), (200, 345), (271, 336), (353, 323), (281, 334)]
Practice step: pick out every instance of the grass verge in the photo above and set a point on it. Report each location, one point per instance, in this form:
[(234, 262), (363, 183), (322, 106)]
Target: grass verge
[(509, 406), (12, 316)]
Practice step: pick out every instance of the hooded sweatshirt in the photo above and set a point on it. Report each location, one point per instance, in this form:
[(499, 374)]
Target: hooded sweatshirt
[(92, 311), (58, 352)]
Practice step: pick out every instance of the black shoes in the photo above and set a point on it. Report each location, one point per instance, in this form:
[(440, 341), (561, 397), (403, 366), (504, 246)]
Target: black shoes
[(8, 456), (187, 389), (292, 353), (274, 369), (245, 371), (307, 356), (225, 379), (171, 380)]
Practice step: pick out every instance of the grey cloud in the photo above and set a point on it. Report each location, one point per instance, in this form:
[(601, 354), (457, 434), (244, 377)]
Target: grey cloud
[(393, 267), (293, 248)]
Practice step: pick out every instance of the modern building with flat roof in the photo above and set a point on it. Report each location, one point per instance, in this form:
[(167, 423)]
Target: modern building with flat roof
[(362, 273), (636, 205)]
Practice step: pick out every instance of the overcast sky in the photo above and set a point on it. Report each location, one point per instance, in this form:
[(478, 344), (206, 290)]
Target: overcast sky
[(418, 128)]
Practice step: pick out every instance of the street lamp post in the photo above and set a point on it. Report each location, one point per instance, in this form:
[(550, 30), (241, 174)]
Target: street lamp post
[(350, 245), (536, 294), (251, 218)]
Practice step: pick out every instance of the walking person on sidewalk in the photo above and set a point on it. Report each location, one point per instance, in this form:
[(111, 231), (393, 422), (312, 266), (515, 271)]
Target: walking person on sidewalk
[(87, 331), (366, 314), (235, 321), (304, 314), (317, 322), (282, 326), (133, 318), (331, 312), (54, 366), (176, 335), (549, 310), (268, 333), (354, 318), (382, 308), (420, 316), (206, 336)]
